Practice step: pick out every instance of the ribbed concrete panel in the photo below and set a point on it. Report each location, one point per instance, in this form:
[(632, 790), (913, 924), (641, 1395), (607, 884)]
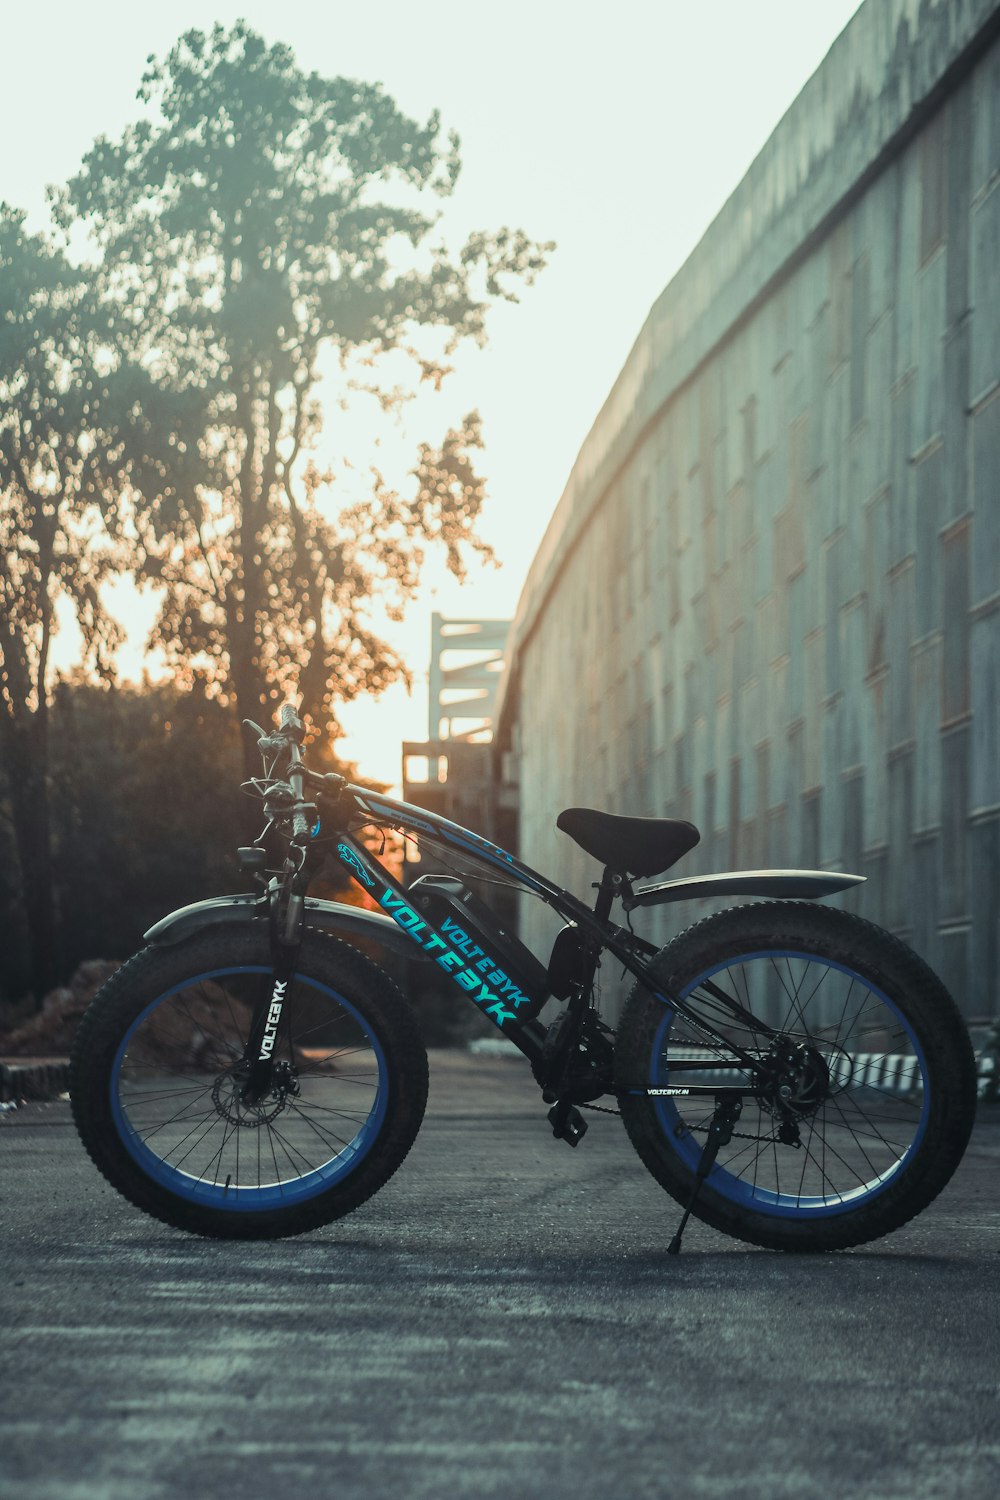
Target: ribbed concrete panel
[(769, 600)]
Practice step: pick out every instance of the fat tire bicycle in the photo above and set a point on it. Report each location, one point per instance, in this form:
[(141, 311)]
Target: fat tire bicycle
[(790, 1074)]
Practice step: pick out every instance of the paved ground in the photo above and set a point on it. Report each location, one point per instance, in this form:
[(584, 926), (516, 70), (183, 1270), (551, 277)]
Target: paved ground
[(500, 1321)]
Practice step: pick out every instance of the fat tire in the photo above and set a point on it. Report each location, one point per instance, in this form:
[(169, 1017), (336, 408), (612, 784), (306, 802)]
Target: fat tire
[(152, 973), (876, 956)]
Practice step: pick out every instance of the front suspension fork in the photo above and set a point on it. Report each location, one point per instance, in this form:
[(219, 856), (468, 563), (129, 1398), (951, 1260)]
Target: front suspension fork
[(286, 924)]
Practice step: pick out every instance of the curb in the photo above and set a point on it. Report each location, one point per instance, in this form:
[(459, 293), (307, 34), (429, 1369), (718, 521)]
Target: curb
[(33, 1078)]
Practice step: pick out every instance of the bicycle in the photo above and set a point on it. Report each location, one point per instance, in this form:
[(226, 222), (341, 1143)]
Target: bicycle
[(790, 1074)]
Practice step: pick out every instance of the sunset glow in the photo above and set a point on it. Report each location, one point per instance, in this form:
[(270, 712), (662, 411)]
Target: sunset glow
[(624, 188)]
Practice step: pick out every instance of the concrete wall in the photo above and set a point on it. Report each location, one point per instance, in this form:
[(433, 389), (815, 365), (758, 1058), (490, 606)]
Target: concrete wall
[(769, 599)]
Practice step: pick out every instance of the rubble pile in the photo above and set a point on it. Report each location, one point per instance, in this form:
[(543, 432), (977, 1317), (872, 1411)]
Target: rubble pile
[(50, 1032)]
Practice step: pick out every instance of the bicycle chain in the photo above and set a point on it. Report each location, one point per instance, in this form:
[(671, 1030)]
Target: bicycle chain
[(741, 1135), (737, 1135)]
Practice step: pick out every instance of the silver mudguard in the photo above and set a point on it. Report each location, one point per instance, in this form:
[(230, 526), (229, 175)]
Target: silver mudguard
[(796, 885), (335, 917)]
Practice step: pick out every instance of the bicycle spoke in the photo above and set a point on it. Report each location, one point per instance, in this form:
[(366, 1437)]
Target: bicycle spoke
[(145, 1096), (227, 1128), (822, 1171), (212, 1125), (180, 1115), (328, 1109), (327, 1140), (856, 1132), (863, 1124), (272, 1130)]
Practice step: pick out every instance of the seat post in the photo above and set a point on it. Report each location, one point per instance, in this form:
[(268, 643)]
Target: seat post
[(606, 893)]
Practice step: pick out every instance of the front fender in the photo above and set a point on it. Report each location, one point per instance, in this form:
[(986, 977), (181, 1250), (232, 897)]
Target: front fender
[(335, 917)]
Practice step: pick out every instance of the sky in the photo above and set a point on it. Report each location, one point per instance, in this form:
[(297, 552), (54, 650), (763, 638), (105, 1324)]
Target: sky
[(618, 132)]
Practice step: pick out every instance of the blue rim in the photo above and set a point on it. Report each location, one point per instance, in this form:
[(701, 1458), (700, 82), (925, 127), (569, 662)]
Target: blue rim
[(736, 1189), (274, 1195)]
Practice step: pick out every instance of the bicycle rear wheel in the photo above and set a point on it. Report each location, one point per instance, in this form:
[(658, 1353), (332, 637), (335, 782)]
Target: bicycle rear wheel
[(158, 1085), (869, 1097)]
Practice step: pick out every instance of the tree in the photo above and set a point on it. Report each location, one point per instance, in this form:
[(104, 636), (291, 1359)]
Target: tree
[(257, 221), (146, 816), (60, 480), (147, 809)]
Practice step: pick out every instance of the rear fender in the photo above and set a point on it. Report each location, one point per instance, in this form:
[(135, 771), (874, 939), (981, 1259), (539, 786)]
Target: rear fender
[(794, 885)]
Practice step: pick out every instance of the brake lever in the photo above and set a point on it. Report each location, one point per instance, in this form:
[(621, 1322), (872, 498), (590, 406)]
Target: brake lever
[(268, 744)]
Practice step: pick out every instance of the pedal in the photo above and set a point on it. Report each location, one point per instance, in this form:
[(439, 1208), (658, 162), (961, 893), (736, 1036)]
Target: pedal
[(567, 1123)]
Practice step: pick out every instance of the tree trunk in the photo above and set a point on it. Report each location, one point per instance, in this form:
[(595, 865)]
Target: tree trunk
[(248, 690), (28, 771)]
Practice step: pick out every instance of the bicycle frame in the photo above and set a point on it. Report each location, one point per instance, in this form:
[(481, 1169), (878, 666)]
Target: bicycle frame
[(475, 972)]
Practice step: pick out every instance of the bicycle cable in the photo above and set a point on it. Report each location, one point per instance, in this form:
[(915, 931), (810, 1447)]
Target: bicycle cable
[(466, 874)]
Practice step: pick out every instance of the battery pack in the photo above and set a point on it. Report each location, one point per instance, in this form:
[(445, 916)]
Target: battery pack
[(472, 925)]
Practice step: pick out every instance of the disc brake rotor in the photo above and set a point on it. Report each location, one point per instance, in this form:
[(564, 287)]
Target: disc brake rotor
[(228, 1090), (795, 1080)]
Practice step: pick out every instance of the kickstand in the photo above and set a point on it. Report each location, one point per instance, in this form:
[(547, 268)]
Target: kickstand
[(727, 1112)]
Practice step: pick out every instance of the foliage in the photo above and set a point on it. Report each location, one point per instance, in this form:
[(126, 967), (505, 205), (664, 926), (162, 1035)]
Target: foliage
[(61, 472), (258, 221), (146, 816), (146, 805), (159, 414), (59, 479)]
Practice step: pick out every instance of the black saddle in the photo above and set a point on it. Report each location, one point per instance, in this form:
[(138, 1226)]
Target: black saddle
[(629, 846)]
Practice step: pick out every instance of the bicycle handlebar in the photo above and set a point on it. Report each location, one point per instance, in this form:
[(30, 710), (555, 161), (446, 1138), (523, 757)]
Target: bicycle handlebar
[(288, 737), (290, 722), (296, 776)]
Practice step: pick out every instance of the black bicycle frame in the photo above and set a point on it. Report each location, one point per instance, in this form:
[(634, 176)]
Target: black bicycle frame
[(474, 971)]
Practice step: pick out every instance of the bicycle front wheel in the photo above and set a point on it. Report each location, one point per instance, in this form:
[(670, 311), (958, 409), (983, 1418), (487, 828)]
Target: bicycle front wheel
[(158, 1085), (864, 1099)]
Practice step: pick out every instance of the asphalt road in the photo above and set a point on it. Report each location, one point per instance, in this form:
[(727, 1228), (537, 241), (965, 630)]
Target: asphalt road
[(500, 1321)]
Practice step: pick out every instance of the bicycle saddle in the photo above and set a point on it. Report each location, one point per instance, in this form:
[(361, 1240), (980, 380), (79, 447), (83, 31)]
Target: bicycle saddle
[(629, 846)]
